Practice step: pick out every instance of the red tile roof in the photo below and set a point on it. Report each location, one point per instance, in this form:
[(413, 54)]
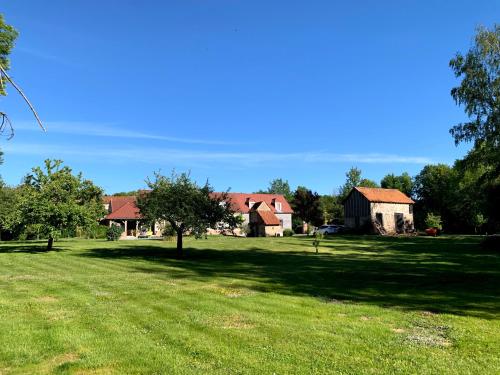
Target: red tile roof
[(122, 207), (268, 218), (239, 202), (384, 195)]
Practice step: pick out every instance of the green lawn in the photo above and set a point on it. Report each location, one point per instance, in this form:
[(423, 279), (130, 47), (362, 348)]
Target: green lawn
[(364, 305)]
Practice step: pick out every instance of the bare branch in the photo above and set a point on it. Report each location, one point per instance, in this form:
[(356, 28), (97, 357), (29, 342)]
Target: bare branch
[(6, 125), (2, 71)]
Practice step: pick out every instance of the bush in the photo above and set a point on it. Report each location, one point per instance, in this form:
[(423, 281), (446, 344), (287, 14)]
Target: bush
[(100, 231), (114, 232), (491, 242), (433, 221), (288, 233)]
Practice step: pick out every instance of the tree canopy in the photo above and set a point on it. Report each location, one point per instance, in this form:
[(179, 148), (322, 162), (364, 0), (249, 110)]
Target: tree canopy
[(479, 90), (306, 205), (403, 183), (354, 179), (56, 199), (8, 36), (186, 206)]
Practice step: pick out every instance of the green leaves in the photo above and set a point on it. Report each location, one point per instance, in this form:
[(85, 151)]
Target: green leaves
[(7, 37), (479, 91)]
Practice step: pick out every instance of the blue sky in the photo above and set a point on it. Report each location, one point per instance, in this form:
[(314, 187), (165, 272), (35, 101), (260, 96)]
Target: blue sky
[(239, 92)]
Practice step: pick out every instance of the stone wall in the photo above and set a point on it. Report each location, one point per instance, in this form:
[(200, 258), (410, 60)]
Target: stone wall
[(388, 210)]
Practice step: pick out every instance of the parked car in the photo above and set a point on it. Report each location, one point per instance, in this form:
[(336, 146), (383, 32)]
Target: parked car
[(327, 229)]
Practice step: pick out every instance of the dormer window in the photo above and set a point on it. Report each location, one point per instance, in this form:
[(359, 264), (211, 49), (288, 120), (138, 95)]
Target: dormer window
[(277, 205), (249, 202)]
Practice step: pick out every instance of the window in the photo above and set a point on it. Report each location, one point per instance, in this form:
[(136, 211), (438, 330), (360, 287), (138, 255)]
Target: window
[(410, 209), (251, 203), (278, 206), (379, 218)]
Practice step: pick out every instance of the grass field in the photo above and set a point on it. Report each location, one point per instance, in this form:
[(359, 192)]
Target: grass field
[(364, 305)]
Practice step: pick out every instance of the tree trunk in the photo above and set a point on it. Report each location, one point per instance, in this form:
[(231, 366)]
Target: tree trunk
[(50, 243), (179, 243)]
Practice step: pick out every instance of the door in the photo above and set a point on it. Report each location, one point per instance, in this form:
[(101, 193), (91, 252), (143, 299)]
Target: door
[(399, 223)]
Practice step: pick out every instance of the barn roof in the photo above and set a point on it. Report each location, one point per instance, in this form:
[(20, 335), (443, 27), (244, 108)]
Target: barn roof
[(380, 195)]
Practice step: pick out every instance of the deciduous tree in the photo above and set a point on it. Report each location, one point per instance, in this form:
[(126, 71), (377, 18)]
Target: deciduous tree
[(186, 206), (57, 200)]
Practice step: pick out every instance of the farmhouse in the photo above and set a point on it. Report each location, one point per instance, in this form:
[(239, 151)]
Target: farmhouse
[(263, 214), (378, 210)]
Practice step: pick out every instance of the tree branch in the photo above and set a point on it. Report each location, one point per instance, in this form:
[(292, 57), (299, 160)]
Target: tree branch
[(2, 70)]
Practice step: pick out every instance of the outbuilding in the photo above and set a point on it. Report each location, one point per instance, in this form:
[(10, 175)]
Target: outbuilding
[(378, 210)]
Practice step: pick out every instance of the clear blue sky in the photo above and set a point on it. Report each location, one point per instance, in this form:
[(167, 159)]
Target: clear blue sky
[(239, 92)]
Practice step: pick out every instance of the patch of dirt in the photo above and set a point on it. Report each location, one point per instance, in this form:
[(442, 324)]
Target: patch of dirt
[(398, 330), (236, 321), (365, 318), (97, 371), (427, 333), (230, 291)]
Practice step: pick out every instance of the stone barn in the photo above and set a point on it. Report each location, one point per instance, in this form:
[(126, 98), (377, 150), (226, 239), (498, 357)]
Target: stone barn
[(375, 210)]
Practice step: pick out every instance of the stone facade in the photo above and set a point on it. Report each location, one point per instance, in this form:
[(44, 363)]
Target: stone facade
[(385, 211)]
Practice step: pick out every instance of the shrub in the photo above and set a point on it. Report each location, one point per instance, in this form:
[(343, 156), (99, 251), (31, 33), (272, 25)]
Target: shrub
[(288, 233), (433, 221), (114, 232)]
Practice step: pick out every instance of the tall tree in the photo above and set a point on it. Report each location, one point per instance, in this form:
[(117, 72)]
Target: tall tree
[(436, 192), (403, 183), (332, 208), (354, 179), (186, 206), (57, 199), (280, 186), (479, 94), (307, 206), (479, 90)]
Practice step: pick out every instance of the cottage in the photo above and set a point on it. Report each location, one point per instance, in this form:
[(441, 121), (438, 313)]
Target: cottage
[(123, 211), (263, 214), (378, 210)]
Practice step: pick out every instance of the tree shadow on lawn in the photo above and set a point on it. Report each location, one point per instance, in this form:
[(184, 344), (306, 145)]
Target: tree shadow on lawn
[(445, 275), (33, 247)]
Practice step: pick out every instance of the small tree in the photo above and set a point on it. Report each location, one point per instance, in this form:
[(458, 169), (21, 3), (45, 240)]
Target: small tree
[(57, 199), (433, 221), (185, 205)]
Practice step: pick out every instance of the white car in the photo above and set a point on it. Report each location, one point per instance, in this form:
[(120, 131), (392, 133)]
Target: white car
[(327, 229)]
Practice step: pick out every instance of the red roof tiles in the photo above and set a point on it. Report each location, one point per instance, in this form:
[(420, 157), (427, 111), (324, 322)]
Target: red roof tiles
[(268, 218), (240, 202), (123, 207), (384, 195)]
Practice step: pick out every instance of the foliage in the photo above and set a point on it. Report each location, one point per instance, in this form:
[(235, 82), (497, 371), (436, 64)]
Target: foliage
[(403, 183), (7, 37), (278, 186), (479, 90), (307, 206), (433, 221), (287, 232), (354, 179), (59, 200), (185, 205), (114, 233), (97, 232), (9, 214), (317, 240), (332, 209)]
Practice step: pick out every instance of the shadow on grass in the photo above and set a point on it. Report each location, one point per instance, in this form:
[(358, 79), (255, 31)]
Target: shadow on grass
[(445, 275)]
